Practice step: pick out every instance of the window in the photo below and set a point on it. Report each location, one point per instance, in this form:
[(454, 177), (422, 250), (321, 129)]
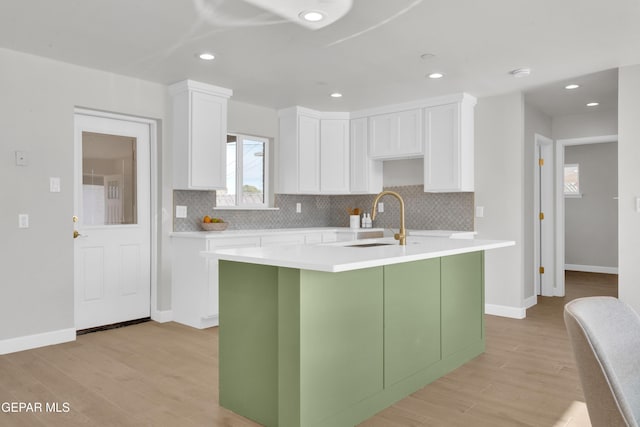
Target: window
[(572, 180), (247, 172)]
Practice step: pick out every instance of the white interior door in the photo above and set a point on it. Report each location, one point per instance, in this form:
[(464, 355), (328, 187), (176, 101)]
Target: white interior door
[(112, 269)]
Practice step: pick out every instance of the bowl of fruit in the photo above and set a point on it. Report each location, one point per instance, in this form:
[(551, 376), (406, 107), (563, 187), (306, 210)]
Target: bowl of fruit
[(213, 224)]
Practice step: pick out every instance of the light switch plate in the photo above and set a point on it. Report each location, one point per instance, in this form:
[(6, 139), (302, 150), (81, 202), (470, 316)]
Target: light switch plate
[(479, 211), (181, 211), (54, 184), (23, 221), (298, 207)]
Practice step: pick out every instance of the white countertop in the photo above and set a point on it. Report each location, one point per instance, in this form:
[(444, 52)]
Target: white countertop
[(337, 257), (259, 232), (263, 231)]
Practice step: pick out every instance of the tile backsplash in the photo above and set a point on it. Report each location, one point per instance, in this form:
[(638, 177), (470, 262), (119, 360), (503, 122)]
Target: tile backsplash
[(435, 211)]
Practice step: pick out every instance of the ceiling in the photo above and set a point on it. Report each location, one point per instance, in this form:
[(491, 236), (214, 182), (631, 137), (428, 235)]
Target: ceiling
[(372, 55)]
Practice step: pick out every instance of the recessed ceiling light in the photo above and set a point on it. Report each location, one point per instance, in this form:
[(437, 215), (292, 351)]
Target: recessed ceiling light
[(312, 15), (572, 86), (593, 104), (426, 56), (520, 72), (435, 75), (336, 95), (206, 56)]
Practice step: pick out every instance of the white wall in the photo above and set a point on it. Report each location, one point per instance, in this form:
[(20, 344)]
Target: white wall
[(595, 123), (36, 116), (535, 122), (396, 173), (591, 221), (629, 185), (499, 183), (252, 119)]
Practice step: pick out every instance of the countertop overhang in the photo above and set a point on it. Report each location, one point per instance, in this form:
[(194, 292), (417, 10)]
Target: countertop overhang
[(338, 257)]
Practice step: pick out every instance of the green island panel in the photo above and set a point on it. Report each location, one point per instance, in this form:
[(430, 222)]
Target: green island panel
[(462, 301), (411, 318), (341, 340), (289, 347), (248, 340)]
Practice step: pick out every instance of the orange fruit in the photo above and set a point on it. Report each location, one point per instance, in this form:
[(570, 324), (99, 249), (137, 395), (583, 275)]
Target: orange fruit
[(206, 219)]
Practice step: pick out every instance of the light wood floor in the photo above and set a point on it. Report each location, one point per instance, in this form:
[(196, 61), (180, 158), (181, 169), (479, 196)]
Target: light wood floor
[(166, 375)]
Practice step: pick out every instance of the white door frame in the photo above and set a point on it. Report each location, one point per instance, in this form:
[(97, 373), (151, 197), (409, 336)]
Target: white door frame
[(560, 244), (153, 166), (546, 144)]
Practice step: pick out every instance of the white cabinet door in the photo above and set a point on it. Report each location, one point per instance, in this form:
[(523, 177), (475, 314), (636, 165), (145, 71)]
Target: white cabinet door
[(207, 158), (334, 156), (199, 135), (365, 174), (313, 154), (283, 239), (308, 154), (195, 278), (396, 135), (313, 238), (209, 301), (448, 158), (329, 236)]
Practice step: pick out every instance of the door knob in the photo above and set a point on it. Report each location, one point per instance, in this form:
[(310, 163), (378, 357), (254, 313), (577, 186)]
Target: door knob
[(76, 234)]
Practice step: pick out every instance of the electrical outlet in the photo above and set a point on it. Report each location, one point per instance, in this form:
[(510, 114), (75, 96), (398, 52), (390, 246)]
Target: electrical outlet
[(298, 207), (181, 211), (380, 207), (21, 158)]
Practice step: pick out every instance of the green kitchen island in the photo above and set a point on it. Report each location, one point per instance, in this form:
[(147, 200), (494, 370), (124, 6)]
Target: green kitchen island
[(322, 335)]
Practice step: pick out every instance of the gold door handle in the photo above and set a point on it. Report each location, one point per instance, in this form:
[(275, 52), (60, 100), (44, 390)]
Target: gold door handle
[(76, 234)]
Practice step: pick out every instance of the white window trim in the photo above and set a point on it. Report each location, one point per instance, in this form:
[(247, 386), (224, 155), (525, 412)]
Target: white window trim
[(240, 164)]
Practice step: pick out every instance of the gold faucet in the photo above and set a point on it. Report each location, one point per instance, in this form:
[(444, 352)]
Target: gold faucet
[(401, 236)]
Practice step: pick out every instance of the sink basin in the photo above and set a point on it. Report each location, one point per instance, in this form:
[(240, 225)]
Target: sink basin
[(368, 245)]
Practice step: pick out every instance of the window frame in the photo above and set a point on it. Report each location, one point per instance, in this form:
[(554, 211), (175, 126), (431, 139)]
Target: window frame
[(238, 205)]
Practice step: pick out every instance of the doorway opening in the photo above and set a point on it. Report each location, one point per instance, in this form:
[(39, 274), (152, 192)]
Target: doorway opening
[(561, 209)]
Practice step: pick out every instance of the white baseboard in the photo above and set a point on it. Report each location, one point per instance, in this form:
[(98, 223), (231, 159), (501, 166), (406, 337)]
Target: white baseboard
[(505, 311), (28, 342), (531, 301), (162, 316), (591, 268)]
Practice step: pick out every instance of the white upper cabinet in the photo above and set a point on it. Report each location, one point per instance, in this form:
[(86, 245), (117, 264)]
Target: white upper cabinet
[(366, 174), (396, 135), (334, 156), (448, 157), (313, 154), (326, 153), (308, 154), (199, 135)]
